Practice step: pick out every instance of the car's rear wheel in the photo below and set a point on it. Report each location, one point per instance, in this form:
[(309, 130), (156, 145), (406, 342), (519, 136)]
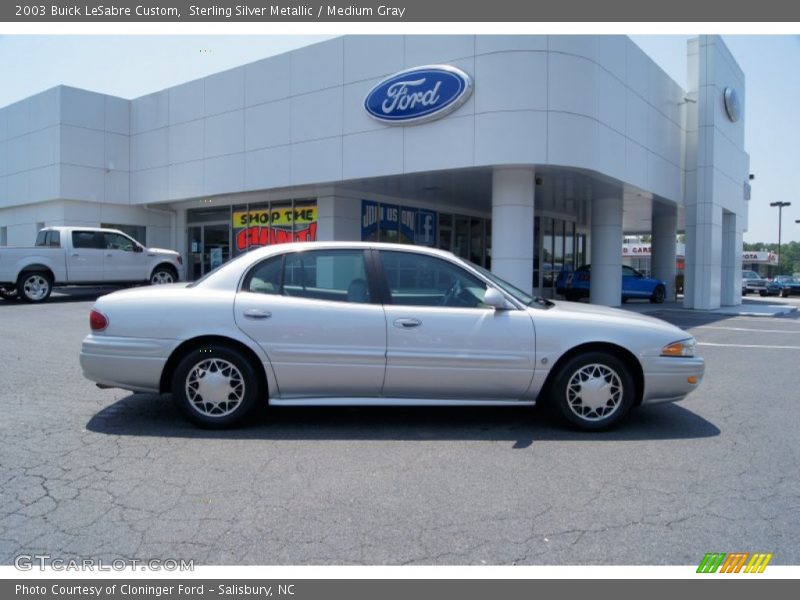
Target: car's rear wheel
[(593, 391), (215, 386), (784, 293), (762, 293), (659, 295), (34, 286)]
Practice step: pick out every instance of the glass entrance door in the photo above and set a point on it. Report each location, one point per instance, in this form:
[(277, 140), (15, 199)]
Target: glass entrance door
[(209, 247)]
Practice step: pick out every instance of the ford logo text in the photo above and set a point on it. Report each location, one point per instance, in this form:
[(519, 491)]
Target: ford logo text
[(418, 95)]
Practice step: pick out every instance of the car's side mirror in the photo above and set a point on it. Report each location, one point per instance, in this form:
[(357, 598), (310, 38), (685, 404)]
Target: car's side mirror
[(496, 300), (137, 248)]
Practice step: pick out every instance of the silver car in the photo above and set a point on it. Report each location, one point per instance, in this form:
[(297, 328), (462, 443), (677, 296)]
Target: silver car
[(379, 324)]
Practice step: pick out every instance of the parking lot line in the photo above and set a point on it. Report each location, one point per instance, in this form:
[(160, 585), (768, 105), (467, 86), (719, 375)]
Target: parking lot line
[(749, 346), (746, 329)]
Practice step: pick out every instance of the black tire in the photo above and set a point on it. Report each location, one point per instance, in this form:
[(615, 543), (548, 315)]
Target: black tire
[(34, 286), (221, 363), (784, 293), (659, 295), (762, 293), (8, 294), (163, 274), (598, 368)]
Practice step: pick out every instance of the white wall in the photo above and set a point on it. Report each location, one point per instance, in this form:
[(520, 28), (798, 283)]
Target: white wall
[(65, 143), (593, 102), (716, 171)]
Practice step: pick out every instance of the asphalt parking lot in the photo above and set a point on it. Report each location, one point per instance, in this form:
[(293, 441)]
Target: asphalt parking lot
[(108, 474)]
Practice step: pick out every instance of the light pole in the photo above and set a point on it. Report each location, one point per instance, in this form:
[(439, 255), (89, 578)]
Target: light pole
[(780, 206)]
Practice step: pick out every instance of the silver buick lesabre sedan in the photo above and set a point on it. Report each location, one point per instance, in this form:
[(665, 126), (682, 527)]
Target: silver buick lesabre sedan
[(337, 323)]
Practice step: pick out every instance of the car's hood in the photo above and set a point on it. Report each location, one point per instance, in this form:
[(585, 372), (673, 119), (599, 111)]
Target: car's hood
[(605, 313), (163, 251)]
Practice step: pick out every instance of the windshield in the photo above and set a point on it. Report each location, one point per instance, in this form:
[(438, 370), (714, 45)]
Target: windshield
[(511, 290)]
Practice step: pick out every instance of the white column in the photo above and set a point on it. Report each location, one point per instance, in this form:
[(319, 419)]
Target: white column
[(703, 271), (180, 234), (338, 219), (606, 242), (512, 226), (731, 288), (664, 230)]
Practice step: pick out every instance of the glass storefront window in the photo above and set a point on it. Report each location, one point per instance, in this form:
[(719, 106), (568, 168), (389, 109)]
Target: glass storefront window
[(476, 238), (445, 232), (461, 240), (569, 246), (194, 270), (547, 252)]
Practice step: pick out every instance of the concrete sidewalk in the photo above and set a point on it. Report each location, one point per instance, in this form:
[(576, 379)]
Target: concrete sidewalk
[(750, 307)]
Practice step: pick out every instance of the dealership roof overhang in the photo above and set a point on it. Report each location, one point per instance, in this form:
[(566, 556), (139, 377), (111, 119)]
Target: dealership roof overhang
[(563, 191)]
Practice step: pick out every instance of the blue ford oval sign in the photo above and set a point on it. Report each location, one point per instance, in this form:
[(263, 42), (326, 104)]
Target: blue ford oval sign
[(418, 95)]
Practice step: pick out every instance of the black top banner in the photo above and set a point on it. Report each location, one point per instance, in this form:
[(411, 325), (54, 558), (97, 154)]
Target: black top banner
[(400, 11)]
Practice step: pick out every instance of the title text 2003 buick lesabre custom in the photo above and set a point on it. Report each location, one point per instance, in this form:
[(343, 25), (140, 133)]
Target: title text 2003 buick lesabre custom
[(378, 324)]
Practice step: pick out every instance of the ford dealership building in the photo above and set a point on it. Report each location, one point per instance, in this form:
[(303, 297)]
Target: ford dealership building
[(526, 154)]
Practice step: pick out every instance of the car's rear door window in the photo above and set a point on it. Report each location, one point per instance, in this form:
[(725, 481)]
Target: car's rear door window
[(265, 277), (338, 275)]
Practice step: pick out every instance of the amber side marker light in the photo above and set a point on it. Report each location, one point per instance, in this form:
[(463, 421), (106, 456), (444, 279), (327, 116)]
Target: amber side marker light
[(97, 321), (692, 379)]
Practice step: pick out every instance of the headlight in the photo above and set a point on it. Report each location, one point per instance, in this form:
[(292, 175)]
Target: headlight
[(682, 348)]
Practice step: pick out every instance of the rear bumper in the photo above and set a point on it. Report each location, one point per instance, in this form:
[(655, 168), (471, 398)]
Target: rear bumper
[(132, 364), (667, 378)]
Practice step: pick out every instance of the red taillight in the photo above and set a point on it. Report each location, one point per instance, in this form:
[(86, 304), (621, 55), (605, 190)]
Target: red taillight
[(97, 321)]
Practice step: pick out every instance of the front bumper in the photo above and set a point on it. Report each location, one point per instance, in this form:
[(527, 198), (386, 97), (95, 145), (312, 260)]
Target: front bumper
[(132, 364), (667, 378)]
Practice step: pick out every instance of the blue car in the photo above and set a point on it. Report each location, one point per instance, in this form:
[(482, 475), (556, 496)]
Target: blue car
[(574, 285), (783, 286)]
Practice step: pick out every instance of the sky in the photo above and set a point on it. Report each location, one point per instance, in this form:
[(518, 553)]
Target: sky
[(131, 66)]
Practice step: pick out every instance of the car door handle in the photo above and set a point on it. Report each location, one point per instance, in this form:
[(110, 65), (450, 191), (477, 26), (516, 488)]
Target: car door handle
[(109, 256), (407, 323), (256, 313), (75, 255)]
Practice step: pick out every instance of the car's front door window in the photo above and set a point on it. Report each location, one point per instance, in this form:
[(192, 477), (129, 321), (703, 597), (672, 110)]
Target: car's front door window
[(421, 280)]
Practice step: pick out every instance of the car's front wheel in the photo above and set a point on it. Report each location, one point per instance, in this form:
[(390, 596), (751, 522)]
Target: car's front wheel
[(215, 386), (162, 275), (593, 391)]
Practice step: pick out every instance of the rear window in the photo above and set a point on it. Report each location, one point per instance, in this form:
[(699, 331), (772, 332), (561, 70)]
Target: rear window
[(49, 238)]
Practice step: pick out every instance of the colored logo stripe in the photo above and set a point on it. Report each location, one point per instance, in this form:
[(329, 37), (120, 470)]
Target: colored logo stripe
[(758, 563), (711, 562), (734, 562)]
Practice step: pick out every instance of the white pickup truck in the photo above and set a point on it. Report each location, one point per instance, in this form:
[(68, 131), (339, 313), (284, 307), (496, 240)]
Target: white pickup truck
[(82, 256)]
